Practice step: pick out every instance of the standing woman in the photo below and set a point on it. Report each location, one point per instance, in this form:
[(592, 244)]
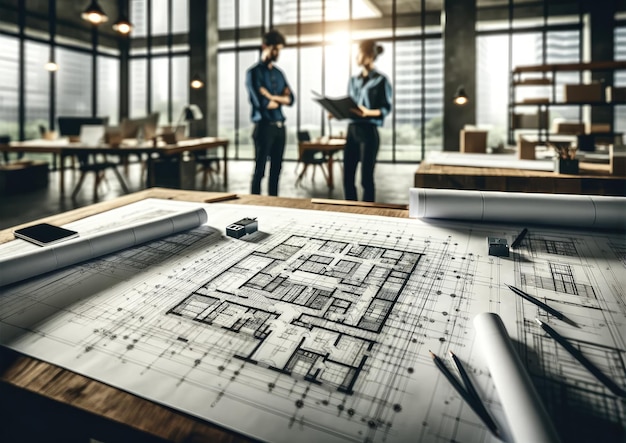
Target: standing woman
[(371, 91)]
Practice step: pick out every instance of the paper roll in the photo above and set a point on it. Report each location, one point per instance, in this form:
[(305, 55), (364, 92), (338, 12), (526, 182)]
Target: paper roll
[(50, 258), (527, 417), (580, 211)]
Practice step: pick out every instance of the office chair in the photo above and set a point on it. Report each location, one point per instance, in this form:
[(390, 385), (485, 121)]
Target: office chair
[(86, 164), (309, 157), (5, 140)]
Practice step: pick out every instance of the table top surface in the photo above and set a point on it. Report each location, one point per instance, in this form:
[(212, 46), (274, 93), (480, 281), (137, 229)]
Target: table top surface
[(64, 145)]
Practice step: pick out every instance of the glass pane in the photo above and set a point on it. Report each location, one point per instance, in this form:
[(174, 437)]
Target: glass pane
[(563, 47), (160, 79), (311, 113), (180, 16), (226, 95), (250, 13), (434, 95), (338, 57), (139, 17), (246, 146), (37, 89), (109, 88), (180, 85), (159, 15), (9, 87), (492, 86), (226, 14), (620, 77), (73, 88), (138, 88)]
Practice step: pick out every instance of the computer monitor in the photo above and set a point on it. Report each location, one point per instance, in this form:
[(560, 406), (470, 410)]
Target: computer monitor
[(70, 126), (130, 126)]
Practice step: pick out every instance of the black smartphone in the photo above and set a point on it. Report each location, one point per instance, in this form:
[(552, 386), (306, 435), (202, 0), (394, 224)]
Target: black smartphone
[(44, 234)]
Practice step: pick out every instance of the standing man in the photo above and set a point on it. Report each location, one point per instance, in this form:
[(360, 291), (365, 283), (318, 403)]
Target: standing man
[(268, 90)]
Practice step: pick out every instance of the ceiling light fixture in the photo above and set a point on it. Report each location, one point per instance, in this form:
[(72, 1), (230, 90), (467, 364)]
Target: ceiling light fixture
[(94, 14), (123, 26), (196, 82), (51, 66), (460, 98)]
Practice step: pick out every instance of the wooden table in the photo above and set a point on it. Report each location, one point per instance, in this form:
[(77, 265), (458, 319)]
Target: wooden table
[(593, 179), (329, 148), (65, 149), (41, 401)]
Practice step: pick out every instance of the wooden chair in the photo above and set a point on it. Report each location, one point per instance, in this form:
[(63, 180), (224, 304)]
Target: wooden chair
[(88, 163), (209, 165), (309, 157)]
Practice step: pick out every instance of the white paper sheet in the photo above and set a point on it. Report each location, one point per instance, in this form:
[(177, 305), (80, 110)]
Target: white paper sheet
[(318, 327), (526, 415), (578, 211)]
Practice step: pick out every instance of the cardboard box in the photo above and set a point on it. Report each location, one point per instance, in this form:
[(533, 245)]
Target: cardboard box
[(616, 94), (593, 128), (530, 121), (473, 140), (572, 128), (617, 160), (592, 92)]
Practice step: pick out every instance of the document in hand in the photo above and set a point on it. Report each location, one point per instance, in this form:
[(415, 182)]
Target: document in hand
[(338, 107)]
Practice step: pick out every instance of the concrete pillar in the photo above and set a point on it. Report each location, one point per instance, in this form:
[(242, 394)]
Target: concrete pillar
[(459, 39), (203, 38), (599, 46)]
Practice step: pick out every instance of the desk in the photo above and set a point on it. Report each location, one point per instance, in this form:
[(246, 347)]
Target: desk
[(72, 405), (593, 179), (437, 276), (329, 148), (66, 149)]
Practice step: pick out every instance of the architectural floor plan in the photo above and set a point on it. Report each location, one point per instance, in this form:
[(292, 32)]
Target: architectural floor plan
[(318, 326)]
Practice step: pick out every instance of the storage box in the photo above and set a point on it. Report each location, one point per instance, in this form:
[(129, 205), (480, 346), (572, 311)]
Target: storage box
[(593, 128), (530, 121), (473, 140), (572, 128), (617, 160), (592, 92), (616, 94), (23, 176)]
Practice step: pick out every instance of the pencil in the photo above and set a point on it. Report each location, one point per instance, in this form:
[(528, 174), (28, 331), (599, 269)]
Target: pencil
[(541, 304), (519, 238), (583, 360), (473, 402)]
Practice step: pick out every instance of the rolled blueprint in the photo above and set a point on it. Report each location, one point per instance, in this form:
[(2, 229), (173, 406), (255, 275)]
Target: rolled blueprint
[(50, 258), (581, 211), (527, 417)]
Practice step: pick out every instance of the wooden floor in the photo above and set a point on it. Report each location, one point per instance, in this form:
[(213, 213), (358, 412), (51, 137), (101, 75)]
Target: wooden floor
[(392, 186)]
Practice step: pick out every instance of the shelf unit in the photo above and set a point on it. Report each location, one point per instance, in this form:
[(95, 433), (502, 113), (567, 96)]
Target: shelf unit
[(540, 121)]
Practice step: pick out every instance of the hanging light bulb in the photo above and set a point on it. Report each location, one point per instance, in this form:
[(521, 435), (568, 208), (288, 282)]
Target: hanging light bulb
[(123, 26), (51, 66), (94, 14), (460, 98), (196, 82)]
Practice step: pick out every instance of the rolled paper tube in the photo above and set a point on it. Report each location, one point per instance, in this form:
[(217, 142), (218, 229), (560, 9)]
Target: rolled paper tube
[(71, 252), (579, 211), (527, 417)]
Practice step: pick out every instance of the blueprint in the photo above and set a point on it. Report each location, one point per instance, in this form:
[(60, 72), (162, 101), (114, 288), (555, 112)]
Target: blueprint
[(318, 326)]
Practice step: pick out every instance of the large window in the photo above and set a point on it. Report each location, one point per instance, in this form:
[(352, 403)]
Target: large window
[(497, 53), (109, 88), (9, 100), (73, 90), (620, 77), (159, 72), (320, 56)]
